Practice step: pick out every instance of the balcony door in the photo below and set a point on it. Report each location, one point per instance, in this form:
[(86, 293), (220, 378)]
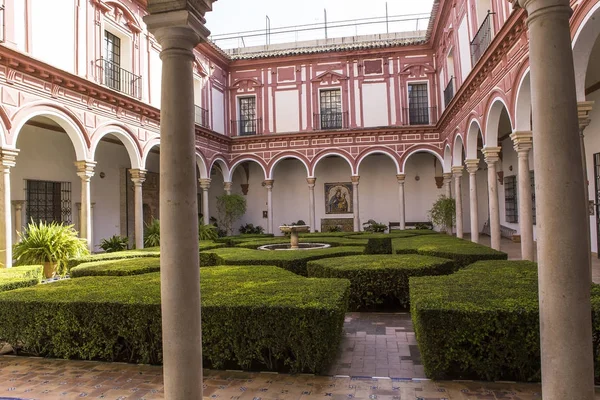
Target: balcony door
[(112, 64), (331, 109), (418, 104), (247, 122)]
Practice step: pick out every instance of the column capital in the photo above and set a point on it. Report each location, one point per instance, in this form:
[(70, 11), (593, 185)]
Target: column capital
[(18, 204), (457, 171), (584, 108), (85, 169), (355, 179), (472, 165), (311, 181), (491, 154), (204, 183), (138, 176), (522, 140), (269, 183), (447, 175), (536, 8), (176, 27), (8, 158), (227, 185), (401, 178)]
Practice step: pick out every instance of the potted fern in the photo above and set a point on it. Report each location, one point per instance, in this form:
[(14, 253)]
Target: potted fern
[(50, 244)]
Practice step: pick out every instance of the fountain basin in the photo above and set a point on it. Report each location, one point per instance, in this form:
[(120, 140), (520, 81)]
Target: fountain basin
[(300, 246)]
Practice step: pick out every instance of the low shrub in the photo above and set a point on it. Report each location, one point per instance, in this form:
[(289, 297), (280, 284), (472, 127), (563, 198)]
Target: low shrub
[(207, 232), (114, 243), (379, 280), (483, 322), (294, 261), (112, 256), (251, 229), (334, 241), (463, 252), (231, 241), (125, 267), (12, 283), (327, 234), (379, 246), (374, 226), (19, 277), (152, 234), (252, 318)]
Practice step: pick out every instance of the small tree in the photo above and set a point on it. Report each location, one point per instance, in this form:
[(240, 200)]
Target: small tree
[(230, 207), (443, 213)]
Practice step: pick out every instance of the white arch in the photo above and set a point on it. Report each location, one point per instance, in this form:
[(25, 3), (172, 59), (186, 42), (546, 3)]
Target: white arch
[(523, 104), (149, 146), (472, 137), (227, 177), (201, 163), (244, 159), (331, 153), (447, 159), (458, 149), (583, 44), (125, 137), (493, 121), (422, 150), (377, 151), (61, 118), (288, 157)]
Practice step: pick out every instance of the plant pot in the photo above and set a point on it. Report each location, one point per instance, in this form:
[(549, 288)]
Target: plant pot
[(49, 269)]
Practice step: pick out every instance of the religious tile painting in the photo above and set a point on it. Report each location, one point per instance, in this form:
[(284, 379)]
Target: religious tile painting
[(338, 198)]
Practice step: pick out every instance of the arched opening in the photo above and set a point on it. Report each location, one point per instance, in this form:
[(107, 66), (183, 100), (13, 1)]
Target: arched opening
[(422, 184), (378, 188), (151, 187), (248, 177), (523, 116), (475, 144), (290, 192)]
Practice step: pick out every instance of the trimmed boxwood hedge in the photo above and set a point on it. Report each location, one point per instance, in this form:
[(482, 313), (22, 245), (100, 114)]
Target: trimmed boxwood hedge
[(294, 261), (119, 255), (379, 280), (333, 241), (19, 277), (380, 245), (463, 252), (134, 266), (231, 241), (252, 317), (483, 322)]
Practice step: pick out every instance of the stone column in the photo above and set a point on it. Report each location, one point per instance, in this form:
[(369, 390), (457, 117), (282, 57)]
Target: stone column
[(311, 203), (85, 170), (491, 158), (401, 178), (18, 204), (457, 172), (563, 257), (269, 185), (523, 143), (355, 205), (227, 187), (205, 185), (178, 28), (138, 176), (7, 161), (472, 167), (448, 184)]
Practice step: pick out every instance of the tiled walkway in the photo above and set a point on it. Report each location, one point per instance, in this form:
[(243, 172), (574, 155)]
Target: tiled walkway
[(33, 378)]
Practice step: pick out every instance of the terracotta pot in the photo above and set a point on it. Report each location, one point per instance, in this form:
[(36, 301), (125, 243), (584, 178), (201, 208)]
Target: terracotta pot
[(49, 269)]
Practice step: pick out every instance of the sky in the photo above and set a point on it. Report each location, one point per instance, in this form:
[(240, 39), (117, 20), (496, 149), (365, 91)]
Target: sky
[(242, 15)]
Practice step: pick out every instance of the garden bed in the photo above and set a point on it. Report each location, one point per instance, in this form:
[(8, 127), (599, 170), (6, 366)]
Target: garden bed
[(123, 267), (118, 255), (379, 281), (19, 277), (251, 316)]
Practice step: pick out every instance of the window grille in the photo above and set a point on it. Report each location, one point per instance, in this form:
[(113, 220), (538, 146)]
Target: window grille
[(48, 201), (418, 104), (247, 122), (510, 199), (331, 109), (112, 67)]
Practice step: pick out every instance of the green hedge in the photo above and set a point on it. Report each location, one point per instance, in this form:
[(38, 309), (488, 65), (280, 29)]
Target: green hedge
[(381, 245), (379, 280), (231, 241), (463, 252), (252, 317), (483, 322), (333, 241), (119, 255), (294, 261), (134, 266), (19, 277)]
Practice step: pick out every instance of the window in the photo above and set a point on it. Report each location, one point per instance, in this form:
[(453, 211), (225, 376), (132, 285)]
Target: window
[(418, 104), (247, 122), (112, 66), (48, 201), (510, 199), (331, 109)]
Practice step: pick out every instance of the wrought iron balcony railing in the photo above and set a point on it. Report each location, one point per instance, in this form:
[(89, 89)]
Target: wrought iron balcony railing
[(416, 115), (449, 92), (482, 39), (201, 116), (332, 120), (112, 75), (246, 127)]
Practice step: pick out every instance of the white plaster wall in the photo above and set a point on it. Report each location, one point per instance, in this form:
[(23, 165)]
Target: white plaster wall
[(378, 190), (420, 195), (256, 199), (287, 111), (464, 49), (51, 41), (19, 24), (155, 77), (218, 113), (290, 193), (375, 105)]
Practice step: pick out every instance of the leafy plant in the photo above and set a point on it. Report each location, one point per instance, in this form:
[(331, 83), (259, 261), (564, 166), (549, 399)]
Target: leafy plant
[(443, 213), (422, 226), (49, 242), (207, 232), (374, 226), (152, 234), (335, 228), (114, 243), (300, 222), (230, 208), (250, 229)]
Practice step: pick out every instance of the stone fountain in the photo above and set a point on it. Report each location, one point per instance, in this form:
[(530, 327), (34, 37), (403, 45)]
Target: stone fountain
[(294, 230)]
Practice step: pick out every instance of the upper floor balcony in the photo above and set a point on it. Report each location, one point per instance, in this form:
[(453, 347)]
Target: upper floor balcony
[(112, 75), (332, 120), (449, 92), (201, 116), (482, 40)]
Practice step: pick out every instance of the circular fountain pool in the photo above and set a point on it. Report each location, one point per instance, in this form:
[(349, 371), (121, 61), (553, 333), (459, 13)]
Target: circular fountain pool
[(301, 246)]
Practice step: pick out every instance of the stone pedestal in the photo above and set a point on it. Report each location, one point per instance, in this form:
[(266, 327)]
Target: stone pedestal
[(447, 184), (269, 185), (472, 168), (563, 256), (311, 203), (138, 177), (7, 161), (523, 143), (401, 178), (355, 205), (491, 155), (457, 173), (18, 227), (205, 185), (85, 170)]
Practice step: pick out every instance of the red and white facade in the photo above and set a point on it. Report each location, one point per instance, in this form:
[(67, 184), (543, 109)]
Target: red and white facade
[(64, 99)]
